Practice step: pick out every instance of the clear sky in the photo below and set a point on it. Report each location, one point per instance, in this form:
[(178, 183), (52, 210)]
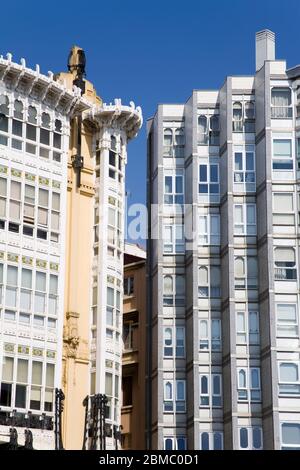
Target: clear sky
[(148, 51)]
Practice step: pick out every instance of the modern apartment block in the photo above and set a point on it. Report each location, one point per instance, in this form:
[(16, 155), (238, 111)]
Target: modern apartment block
[(62, 164), (134, 348), (223, 264)]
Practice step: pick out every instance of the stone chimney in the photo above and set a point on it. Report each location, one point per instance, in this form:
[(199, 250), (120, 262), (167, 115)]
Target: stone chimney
[(264, 47)]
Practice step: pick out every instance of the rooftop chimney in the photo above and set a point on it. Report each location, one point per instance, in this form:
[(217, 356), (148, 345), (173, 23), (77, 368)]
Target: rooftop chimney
[(264, 47)]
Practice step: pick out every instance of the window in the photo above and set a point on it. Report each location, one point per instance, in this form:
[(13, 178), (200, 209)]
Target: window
[(237, 117), (26, 286), (179, 143), (210, 334), (290, 436), (21, 385), (11, 286), (283, 209), (209, 181), (128, 285), (209, 229), (174, 193), (7, 381), (174, 290), (287, 320), (289, 384), (210, 390), (168, 142), (175, 443), (245, 272), (209, 286), (282, 154), (174, 341), (174, 401), (285, 264), (247, 327), (211, 440), (251, 438), (281, 103), (208, 130), (249, 384), (202, 130), (40, 295), (245, 219), (174, 240), (53, 297), (244, 168), (36, 389)]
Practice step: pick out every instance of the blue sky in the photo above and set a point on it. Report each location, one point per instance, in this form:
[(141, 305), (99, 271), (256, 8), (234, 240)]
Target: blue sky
[(149, 51)]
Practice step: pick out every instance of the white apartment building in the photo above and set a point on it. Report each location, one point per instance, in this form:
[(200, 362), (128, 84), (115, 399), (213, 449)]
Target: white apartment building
[(223, 310)]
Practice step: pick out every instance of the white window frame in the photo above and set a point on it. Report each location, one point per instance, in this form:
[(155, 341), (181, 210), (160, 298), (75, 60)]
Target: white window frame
[(208, 237), (176, 198), (250, 432), (295, 325), (243, 228), (244, 179), (174, 245), (294, 385), (213, 196), (211, 435)]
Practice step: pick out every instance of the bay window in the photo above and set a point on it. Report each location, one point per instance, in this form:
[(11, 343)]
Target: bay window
[(173, 192), (287, 320), (244, 168), (249, 388), (289, 384), (210, 390), (174, 290), (285, 264), (209, 229), (174, 240), (290, 436), (245, 219), (250, 438), (281, 103), (247, 327), (282, 154), (175, 396), (211, 440), (174, 341), (209, 281), (210, 334), (283, 209), (209, 181), (245, 272), (175, 443)]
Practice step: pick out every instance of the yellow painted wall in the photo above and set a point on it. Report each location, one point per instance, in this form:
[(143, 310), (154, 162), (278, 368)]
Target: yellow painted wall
[(79, 246)]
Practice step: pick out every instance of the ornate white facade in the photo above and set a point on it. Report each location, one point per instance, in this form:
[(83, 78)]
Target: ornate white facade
[(35, 113), (34, 143)]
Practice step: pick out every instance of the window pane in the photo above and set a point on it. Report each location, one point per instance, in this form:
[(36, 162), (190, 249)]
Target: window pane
[(244, 438), (203, 172), (7, 369), (282, 148), (37, 370), (289, 372), (40, 283), (53, 284), (12, 275), (291, 433), (22, 371), (283, 202), (26, 278)]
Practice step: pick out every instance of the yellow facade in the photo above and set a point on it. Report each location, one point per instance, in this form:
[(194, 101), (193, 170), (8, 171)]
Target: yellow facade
[(79, 249)]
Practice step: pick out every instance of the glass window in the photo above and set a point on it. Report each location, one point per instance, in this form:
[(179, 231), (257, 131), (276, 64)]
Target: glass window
[(282, 154), (281, 103), (287, 323), (290, 436)]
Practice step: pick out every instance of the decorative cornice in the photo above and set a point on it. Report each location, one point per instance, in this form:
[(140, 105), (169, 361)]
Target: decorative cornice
[(118, 116), (17, 77)]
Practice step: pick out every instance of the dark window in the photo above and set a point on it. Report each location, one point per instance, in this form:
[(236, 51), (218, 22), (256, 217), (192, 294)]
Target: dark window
[(127, 391), (56, 140), (30, 132), (21, 396), (2, 224), (5, 395), (17, 127), (41, 234), (44, 137), (27, 230), (13, 227)]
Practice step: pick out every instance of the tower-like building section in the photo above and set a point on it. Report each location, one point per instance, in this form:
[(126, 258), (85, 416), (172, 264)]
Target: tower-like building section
[(62, 178), (223, 264)]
